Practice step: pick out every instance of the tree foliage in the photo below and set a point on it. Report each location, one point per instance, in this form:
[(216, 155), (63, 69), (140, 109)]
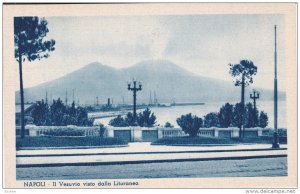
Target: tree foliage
[(168, 125), (129, 120), (263, 119), (226, 115), (190, 124), (59, 114), (243, 70), (144, 119), (29, 34), (40, 113), (211, 120), (242, 73), (231, 115), (102, 130), (119, 121), (251, 116), (237, 115)]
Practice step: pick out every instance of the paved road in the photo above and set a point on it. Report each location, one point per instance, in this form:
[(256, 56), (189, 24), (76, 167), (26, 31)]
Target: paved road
[(136, 161), (143, 147), (219, 168), (81, 160)]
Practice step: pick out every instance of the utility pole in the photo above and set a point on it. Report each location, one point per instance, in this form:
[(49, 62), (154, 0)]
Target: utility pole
[(73, 91), (46, 96), (254, 97), (150, 100), (134, 89), (242, 129), (97, 101), (66, 101), (276, 138)]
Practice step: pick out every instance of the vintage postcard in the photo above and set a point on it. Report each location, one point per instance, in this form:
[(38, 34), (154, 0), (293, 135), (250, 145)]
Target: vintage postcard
[(150, 95)]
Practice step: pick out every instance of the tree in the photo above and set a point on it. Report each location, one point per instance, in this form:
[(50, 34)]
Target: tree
[(251, 116), (29, 33), (190, 124), (168, 125), (118, 122), (73, 113), (263, 119), (101, 130), (243, 72), (237, 116), (226, 115), (58, 113), (146, 118), (40, 113), (129, 120), (211, 120), (82, 118)]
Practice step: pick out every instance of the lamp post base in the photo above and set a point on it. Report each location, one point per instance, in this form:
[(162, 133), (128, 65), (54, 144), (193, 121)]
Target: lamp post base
[(275, 145), (275, 141)]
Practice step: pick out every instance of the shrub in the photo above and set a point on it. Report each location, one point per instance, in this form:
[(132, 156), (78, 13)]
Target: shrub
[(190, 124), (211, 120), (58, 114), (64, 132), (168, 125), (102, 130), (143, 119), (263, 119), (146, 118)]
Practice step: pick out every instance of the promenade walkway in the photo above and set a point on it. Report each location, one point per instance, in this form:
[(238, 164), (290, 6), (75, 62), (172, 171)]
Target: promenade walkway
[(137, 153)]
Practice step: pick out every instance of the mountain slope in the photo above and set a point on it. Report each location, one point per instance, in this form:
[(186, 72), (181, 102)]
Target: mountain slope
[(167, 80)]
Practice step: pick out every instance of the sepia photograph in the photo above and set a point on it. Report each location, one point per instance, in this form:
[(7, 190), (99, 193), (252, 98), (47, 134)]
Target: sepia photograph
[(123, 99)]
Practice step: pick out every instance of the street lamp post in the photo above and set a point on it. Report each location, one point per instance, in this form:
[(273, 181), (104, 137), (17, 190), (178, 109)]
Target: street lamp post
[(134, 88), (276, 138), (254, 97)]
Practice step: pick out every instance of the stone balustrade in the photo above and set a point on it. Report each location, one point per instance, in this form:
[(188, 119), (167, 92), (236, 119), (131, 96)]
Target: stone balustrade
[(136, 134), (52, 130)]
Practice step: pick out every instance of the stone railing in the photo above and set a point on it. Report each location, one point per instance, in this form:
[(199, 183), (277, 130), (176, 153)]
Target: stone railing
[(143, 133), (231, 132), (172, 132), (70, 130), (135, 132)]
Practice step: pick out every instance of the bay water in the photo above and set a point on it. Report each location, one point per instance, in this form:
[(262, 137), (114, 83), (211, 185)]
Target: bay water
[(170, 114)]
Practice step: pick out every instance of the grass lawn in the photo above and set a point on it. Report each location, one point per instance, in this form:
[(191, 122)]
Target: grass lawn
[(214, 140), (51, 141)]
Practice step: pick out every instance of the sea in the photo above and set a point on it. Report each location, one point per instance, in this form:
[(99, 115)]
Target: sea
[(170, 114)]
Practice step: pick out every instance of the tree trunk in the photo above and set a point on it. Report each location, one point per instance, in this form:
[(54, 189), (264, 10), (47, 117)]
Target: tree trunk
[(22, 97), (243, 106)]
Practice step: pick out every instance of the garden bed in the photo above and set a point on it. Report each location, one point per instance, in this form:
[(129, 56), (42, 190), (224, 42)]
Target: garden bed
[(50, 141)]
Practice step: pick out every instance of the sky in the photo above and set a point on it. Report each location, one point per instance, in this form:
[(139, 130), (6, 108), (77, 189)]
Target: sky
[(202, 44)]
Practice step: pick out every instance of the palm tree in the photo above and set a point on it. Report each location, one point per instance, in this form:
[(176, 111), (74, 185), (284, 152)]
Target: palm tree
[(28, 37), (243, 72)]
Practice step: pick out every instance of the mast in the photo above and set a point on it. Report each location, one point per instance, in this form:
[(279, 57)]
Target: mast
[(66, 101)]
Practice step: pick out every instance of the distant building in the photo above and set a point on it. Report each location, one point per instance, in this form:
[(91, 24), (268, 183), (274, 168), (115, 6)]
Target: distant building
[(27, 109)]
